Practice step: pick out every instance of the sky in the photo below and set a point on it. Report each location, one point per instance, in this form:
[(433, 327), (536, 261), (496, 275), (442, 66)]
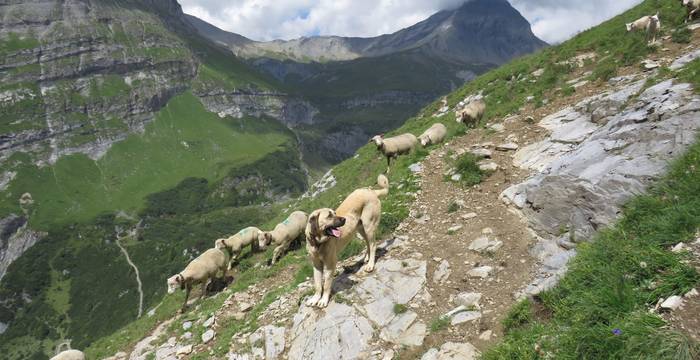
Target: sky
[(552, 20)]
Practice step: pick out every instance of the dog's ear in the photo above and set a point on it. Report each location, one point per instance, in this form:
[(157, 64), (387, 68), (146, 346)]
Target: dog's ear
[(313, 230)]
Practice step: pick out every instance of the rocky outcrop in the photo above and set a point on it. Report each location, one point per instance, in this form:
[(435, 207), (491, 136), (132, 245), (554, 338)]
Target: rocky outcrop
[(15, 239), (601, 153), (291, 111), (82, 77)]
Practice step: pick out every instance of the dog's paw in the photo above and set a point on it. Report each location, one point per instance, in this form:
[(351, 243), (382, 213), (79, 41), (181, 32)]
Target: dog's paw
[(368, 268), (322, 303), (313, 301)]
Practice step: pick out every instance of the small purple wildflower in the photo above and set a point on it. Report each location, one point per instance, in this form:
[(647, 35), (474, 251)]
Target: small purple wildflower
[(617, 332)]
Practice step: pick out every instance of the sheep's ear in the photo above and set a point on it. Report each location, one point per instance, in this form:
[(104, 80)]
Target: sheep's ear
[(181, 281)]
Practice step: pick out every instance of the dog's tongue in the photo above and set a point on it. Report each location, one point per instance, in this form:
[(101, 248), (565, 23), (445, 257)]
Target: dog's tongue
[(336, 232)]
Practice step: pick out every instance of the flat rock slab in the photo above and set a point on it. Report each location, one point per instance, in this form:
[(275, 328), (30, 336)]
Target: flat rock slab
[(452, 351), (337, 332)]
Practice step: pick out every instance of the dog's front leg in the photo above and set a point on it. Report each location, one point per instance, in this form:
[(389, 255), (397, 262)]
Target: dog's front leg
[(318, 286), (327, 286)]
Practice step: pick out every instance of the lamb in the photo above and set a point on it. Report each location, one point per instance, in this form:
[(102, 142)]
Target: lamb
[(236, 243), (472, 113), (69, 355), (435, 135), (394, 146), (200, 270), (693, 7), (650, 24), (284, 234)]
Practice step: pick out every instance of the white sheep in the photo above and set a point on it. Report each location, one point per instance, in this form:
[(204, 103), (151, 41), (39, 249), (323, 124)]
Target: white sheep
[(472, 113), (70, 355), (394, 146), (284, 234), (236, 243), (693, 7), (200, 270), (650, 24), (435, 135)]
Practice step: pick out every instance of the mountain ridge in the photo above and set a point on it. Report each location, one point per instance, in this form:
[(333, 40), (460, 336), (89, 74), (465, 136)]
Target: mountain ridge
[(440, 32)]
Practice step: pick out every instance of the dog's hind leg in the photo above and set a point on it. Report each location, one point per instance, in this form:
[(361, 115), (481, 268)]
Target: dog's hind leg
[(361, 231), (371, 215)]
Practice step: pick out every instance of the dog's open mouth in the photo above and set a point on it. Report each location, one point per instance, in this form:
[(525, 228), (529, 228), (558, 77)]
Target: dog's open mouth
[(334, 232)]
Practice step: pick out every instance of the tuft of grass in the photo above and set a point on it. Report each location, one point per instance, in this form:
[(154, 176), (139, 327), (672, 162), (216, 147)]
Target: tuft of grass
[(453, 207), (519, 315), (467, 166), (440, 323), (400, 309), (691, 74), (681, 35)]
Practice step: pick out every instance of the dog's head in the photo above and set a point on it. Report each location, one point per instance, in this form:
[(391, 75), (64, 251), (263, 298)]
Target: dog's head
[(264, 239), (174, 282), (323, 225)]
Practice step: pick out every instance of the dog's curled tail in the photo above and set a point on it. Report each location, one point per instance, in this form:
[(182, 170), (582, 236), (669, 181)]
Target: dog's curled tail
[(383, 183)]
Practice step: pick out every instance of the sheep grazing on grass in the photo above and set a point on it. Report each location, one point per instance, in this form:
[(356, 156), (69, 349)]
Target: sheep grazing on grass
[(435, 135), (471, 114), (394, 146), (200, 270), (693, 7), (69, 355), (249, 236), (284, 234), (650, 24)]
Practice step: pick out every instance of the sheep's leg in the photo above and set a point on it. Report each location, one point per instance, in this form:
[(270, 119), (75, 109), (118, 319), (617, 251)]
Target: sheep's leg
[(188, 288), (279, 251), (204, 289)]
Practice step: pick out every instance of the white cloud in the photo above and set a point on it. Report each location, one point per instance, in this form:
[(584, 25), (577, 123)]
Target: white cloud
[(553, 20), (557, 20)]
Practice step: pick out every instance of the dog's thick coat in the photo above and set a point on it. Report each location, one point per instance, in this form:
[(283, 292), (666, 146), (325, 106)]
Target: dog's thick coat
[(328, 232)]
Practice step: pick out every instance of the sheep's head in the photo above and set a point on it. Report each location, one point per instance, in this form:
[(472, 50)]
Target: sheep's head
[(629, 27), (424, 140), (220, 244), (686, 2), (264, 239), (174, 282), (378, 140)]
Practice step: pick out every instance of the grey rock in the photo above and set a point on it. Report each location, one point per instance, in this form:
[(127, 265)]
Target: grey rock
[(672, 303), (469, 300), (416, 168), (456, 177), (405, 330), (454, 229), (465, 316), (208, 336), (507, 147), (485, 153), (684, 60), (184, 350), (452, 351), (499, 128), (186, 325), (339, 332), (485, 244), (480, 272), (488, 166), (207, 323), (272, 338), (442, 273)]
